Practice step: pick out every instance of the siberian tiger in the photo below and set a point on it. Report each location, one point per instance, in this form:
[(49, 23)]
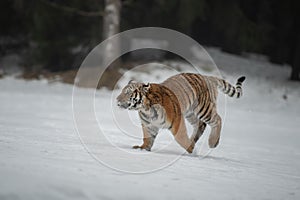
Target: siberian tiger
[(165, 105)]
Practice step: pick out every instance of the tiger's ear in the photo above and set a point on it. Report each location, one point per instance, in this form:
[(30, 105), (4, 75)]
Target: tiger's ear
[(146, 87)]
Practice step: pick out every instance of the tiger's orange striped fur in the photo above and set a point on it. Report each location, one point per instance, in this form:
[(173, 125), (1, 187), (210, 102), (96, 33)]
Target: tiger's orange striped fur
[(185, 95)]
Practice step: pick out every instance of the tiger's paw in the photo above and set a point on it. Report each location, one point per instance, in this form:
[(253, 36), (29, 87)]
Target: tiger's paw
[(190, 149), (213, 143), (141, 147)]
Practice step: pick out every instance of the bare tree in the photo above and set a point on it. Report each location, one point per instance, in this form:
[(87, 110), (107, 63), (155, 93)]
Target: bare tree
[(111, 26)]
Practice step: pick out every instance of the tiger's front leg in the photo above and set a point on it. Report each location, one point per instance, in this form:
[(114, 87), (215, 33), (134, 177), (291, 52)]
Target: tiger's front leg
[(149, 135)]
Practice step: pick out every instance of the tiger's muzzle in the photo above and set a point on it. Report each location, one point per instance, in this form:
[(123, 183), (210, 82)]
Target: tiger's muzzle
[(123, 105)]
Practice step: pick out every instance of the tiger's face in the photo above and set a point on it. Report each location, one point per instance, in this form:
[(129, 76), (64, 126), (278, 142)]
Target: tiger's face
[(132, 95)]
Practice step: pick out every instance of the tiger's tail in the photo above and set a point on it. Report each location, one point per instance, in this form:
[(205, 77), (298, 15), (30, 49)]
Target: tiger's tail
[(229, 89)]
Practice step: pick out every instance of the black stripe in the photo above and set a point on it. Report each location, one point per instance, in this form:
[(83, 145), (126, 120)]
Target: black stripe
[(209, 117), (167, 92), (202, 105), (144, 117), (201, 89), (200, 102), (224, 85), (231, 95), (136, 101), (191, 84), (200, 81), (140, 100), (207, 107), (135, 94), (198, 94), (228, 89), (155, 113)]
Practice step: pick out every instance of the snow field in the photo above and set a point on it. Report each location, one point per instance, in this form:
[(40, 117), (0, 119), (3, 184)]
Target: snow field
[(42, 157)]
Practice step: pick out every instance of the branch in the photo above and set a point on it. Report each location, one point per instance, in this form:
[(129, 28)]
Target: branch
[(73, 10), (127, 2)]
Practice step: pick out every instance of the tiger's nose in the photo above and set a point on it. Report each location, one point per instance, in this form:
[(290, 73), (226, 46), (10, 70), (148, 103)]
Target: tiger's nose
[(118, 103)]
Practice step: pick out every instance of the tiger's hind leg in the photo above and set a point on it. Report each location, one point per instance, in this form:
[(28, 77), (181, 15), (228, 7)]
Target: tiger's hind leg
[(201, 127), (216, 124), (198, 126)]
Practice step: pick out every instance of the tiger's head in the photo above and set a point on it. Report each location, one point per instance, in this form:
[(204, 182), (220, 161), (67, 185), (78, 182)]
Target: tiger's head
[(132, 95)]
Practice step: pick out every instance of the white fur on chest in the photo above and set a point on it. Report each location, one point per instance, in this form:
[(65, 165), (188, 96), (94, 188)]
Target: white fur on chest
[(155, 116)]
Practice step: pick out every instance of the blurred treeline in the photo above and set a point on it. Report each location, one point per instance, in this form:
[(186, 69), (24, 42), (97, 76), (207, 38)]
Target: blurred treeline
[(57, 34)]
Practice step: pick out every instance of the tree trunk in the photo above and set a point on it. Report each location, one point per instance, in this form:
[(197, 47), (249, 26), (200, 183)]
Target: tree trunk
[(111, 26), (295, 58)]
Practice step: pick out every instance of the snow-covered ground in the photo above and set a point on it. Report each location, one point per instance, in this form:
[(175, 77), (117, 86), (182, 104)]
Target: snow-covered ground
[(42, 157)]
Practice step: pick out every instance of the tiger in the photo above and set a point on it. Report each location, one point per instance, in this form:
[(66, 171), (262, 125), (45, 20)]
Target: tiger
[(183, 96)]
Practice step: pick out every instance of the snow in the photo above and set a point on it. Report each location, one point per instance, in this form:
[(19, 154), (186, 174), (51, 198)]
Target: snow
[(258, 157)]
